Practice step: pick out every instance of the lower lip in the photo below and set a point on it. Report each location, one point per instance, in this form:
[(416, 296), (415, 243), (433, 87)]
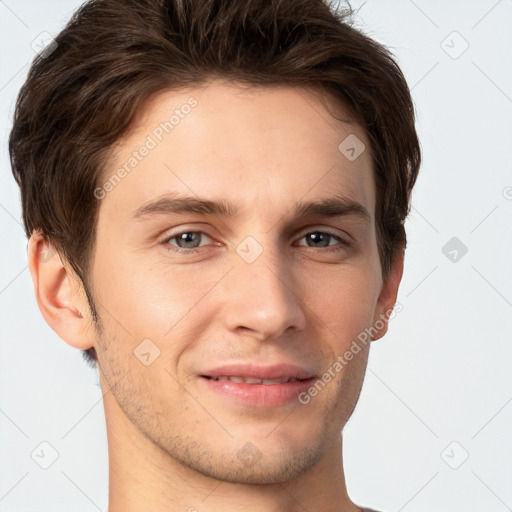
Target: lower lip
[(266, 395)]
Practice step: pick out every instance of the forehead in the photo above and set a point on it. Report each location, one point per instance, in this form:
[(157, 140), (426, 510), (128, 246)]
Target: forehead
[(261, 148)]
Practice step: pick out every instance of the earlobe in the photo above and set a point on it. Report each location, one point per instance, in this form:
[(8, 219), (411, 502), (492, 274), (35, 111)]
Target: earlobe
[(58, 293), (387, 298)]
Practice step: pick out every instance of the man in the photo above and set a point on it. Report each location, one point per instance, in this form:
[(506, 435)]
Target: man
[(215, 194)]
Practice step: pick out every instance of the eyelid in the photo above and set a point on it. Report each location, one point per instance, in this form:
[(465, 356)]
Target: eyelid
[(315, 228)]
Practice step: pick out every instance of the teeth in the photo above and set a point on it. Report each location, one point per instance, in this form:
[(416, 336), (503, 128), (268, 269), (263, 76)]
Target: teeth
[(252, 380), (273, 381)]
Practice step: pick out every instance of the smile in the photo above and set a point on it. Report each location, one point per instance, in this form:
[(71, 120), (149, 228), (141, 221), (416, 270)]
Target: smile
[(252, 380)]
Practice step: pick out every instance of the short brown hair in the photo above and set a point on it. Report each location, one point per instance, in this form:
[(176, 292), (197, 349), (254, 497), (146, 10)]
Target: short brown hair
[(82, 96)]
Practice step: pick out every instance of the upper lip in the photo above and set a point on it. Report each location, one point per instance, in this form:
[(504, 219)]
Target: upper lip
[(256, 371)]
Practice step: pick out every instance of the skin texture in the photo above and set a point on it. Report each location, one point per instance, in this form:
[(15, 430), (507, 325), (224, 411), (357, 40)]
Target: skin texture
[(173, 443)]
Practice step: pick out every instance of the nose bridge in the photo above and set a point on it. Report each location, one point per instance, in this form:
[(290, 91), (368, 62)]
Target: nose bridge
[(269, 274), (261, 295)]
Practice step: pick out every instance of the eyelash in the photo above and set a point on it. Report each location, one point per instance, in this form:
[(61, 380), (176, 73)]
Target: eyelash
[(343, 244)]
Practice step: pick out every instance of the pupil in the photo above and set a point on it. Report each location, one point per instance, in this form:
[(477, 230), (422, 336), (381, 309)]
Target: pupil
[(316, 237), (186, 238)]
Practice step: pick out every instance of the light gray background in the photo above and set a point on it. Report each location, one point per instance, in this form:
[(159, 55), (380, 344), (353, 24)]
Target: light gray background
[(438, 386)]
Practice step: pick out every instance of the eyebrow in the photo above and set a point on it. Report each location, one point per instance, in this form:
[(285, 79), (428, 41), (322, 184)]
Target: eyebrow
[(173, 203)]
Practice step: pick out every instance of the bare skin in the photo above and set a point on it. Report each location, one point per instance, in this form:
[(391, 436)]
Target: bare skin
[(174, 443)]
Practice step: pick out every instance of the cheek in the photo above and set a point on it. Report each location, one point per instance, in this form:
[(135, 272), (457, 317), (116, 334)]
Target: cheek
[(344, 300), (155, 300)]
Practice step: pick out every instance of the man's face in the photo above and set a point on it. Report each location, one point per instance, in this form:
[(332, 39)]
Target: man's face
[(264, 286)]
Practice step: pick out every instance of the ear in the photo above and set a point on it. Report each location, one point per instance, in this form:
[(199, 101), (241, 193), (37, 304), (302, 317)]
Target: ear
[(59, 293), (387, 298)]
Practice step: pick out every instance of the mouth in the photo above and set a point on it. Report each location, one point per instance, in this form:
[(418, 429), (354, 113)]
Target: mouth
[(256, 393), (252, 384), (252, 380)]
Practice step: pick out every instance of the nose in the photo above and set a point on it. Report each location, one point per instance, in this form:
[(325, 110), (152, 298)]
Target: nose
[(263, 298)]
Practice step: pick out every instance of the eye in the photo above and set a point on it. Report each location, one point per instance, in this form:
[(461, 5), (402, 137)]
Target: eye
[(320, 239), (186, 241), (190, 241)]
